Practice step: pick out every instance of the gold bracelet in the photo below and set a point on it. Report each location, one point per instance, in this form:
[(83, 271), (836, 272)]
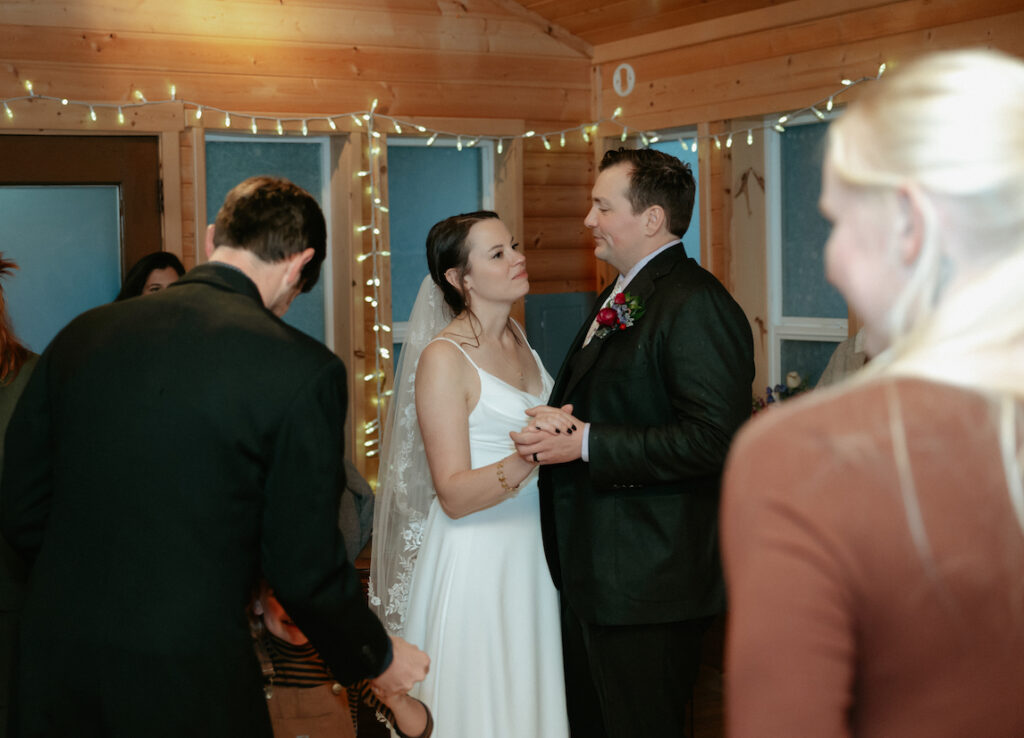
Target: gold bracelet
[(510, 490)]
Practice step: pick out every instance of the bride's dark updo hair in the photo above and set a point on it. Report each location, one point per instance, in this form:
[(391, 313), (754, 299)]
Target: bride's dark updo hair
[(447, 249)]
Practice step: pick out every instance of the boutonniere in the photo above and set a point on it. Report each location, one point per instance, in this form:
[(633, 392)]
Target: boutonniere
[(622, 312)]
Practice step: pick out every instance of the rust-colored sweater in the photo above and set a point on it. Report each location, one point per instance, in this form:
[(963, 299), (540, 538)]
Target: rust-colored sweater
[(841, 624)]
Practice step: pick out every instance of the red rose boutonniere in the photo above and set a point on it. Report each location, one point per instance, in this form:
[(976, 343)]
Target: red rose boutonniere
[(622, 312)]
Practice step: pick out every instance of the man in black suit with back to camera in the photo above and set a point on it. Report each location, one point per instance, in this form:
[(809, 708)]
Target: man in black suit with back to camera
[(166, 451), (661, 372)]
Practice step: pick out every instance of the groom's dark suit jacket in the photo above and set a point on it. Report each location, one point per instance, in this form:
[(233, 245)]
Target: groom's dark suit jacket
[(632, 536), (166, 450)]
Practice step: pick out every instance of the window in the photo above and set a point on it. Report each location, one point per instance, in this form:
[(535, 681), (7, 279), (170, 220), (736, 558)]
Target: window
[(427, 184), (305, 161), (807, 316)]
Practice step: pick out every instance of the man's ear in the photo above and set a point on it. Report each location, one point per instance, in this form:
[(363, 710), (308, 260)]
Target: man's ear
[(653, 219), (296, 263), (208, 246)]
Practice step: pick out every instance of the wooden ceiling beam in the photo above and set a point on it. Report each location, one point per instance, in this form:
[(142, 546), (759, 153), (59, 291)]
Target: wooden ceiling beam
[(548, 27)]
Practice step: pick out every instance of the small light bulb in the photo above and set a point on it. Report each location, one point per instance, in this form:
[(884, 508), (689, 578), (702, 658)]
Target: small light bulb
[(254, 125), (779, 127), (356, 118), (586, 136), (458, 143), (421, 129), (750, 137), (625, 133), (646, 141), (694, 147), (828, 106), (227, 120), (174, 92), (7, 111), (728, 141), (547, 144), (617, 113), (280, 128), (398, 128), (430, 141), (529, 134), (305, 129), (199, 113), (63, 101), (92, 112), (28, 86), (501, 145), (718, 143), (373, 105), (561, 139), (820, 115), (881, 69)]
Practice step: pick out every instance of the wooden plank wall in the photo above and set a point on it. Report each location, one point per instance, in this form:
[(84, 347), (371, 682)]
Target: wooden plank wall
[(773, 60), (419, 58)]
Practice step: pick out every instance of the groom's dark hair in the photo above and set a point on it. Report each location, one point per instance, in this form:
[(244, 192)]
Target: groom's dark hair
[(657, 179)]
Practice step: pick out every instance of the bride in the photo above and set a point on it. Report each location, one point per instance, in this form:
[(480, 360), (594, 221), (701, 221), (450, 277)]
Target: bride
[(461, 573)]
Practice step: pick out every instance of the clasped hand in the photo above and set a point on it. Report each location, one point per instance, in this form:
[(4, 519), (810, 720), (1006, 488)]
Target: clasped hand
[(553, 436)]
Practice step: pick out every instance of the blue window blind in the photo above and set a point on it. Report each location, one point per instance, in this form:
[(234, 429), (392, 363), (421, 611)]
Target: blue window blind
[(66, 241), (230, 162)]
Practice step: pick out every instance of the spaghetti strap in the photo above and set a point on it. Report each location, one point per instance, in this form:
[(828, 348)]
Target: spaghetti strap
[(456, 345)]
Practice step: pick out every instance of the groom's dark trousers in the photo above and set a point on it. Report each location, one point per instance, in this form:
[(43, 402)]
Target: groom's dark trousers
[(631, 537)]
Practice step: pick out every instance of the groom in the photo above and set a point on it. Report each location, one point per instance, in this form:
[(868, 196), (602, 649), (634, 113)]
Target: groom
[(659, 380)]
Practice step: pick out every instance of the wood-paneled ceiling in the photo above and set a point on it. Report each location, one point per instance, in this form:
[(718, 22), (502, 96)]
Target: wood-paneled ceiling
[(600, 21)]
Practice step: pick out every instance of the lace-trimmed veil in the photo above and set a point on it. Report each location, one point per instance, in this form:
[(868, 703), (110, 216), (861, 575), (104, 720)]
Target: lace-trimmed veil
[(404, 491)]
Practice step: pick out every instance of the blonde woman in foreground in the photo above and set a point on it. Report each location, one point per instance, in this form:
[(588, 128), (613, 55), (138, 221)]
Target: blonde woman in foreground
[(874, 533)]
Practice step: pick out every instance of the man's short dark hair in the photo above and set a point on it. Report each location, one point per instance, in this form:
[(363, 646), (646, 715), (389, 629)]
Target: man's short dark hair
[(657, 179), (274, 219)]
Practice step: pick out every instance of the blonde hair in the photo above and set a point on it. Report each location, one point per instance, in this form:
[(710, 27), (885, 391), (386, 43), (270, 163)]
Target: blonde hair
[(947, 133)]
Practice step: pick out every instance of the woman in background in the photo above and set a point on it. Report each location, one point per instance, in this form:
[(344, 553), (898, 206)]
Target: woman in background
[(16, 364), (874, 533), (152, 273)]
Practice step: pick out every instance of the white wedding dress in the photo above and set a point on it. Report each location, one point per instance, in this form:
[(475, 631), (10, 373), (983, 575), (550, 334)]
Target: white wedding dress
[(482, 604)]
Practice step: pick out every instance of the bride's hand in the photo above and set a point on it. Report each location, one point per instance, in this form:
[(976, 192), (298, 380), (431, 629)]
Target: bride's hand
[(553, 420)]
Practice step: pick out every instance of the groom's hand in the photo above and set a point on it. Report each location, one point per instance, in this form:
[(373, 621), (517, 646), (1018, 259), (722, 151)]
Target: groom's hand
[(553, 436)]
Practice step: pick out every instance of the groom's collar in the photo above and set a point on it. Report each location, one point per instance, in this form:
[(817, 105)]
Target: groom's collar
[(625, 279)]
